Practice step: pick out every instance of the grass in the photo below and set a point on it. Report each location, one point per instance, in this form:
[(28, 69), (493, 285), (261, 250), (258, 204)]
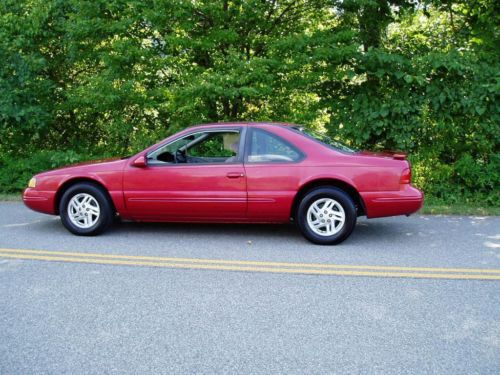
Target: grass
[(458, 209), (10, 197), (430, 208)]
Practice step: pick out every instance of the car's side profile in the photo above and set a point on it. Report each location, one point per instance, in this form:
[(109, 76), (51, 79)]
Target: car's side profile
[(232, 172)]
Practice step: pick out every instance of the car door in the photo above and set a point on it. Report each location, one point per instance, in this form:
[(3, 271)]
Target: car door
[(273, 169), (196, 177)]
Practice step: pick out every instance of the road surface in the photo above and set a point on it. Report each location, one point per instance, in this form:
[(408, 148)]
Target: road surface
[(400, 296)]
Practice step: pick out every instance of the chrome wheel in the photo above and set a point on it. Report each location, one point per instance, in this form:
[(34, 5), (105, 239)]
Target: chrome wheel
[(325, 217), (83, 210)]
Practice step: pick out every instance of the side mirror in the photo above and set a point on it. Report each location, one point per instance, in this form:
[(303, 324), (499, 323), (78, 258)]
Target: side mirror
[(140, 162)]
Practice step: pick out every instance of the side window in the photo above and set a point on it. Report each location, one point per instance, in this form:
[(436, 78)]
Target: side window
[(267, 147), (204, 147), (216, 145)]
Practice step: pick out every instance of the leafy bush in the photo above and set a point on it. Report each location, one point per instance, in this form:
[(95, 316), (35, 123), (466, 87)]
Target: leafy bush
[(16, 172), (467, 181)]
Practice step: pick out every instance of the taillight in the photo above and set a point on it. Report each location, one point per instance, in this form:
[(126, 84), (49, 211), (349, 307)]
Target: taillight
[(405, 176)]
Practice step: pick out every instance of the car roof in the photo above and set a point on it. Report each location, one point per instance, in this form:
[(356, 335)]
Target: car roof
[(245, 123)]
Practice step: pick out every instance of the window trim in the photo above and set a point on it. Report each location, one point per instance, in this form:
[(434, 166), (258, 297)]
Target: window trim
[(238, 161), (249, 136)]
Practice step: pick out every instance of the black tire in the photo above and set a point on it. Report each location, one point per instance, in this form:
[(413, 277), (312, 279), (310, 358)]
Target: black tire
[(106, 209), (339, 196)]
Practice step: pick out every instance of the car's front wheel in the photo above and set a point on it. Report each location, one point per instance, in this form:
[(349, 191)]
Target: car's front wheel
[(326, 215), (85, 209)]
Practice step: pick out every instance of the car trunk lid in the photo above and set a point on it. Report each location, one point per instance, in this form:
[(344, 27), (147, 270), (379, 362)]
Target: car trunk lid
[(397, 155)]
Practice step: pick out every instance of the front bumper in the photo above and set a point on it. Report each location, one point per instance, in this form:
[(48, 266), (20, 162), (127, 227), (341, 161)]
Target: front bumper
[(406, 201), (41, 201)]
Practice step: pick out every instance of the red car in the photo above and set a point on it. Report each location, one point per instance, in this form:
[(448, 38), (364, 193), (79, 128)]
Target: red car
[(233, 172)]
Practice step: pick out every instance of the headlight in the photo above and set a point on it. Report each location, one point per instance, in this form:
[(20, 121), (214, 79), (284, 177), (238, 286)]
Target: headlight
[(32, 183)]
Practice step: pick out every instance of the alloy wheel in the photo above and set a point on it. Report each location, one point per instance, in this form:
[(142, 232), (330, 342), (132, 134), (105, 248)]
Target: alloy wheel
[(325, 217), (83, 210)]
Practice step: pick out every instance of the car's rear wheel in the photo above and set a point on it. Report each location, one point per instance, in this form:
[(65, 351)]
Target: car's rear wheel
[(326, 215), (85, 209)]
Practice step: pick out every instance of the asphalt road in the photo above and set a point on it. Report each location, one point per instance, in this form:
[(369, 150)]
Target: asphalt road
[(396, 297)]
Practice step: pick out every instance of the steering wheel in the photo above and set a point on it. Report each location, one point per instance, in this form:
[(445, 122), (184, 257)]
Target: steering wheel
[(180, 156)]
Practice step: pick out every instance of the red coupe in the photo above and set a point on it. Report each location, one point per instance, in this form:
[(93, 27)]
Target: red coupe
[(233, 172)]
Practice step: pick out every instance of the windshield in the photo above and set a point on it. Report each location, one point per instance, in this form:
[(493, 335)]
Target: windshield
[(326, 140)]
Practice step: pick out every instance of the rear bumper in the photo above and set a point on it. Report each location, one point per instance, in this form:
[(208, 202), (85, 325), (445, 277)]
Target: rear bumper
[(41, 201), (406, 201)]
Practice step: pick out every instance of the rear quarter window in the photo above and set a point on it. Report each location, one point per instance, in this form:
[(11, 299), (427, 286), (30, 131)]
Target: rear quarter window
[(266, 147)]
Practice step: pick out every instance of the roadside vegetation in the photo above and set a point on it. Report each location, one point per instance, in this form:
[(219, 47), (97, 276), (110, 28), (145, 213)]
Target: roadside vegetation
[(10, 197), (433, 207), (85, 79)]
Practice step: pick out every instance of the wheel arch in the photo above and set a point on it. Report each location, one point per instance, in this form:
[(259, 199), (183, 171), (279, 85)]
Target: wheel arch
[(329, 182), (75, 180)]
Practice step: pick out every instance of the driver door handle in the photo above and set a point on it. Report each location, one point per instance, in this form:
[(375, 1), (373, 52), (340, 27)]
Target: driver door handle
[(235, 175)]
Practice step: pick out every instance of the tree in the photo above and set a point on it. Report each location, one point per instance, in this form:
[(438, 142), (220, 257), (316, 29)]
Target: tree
[(85, 78)]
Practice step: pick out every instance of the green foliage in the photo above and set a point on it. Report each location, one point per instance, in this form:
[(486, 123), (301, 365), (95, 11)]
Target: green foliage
[(17, 171), (463, 182), (113, 76)]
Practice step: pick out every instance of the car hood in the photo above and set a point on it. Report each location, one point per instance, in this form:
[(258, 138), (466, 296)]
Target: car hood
[(92, 162), (100, 164)]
